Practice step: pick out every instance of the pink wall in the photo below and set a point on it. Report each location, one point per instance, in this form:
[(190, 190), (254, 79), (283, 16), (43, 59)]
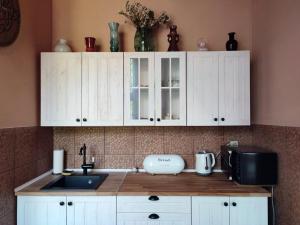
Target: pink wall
[(19, 66), (212, 19), (276, 71), (273, 28)]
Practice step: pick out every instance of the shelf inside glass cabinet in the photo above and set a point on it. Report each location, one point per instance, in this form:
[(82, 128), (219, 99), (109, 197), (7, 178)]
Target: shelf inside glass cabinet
[(139, 88), (170, 89)]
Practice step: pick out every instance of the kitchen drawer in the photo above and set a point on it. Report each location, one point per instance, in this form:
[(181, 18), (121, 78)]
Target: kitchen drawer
[(151, 204), (157, 218)]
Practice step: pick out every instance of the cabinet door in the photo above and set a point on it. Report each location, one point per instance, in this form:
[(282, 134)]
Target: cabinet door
[(170, 88), (157, 219), (202, 89), (38, 210), (139, 88), (91, 210), (210, 211), (61, 89), (102, 89), (248, 211), (234, 86)]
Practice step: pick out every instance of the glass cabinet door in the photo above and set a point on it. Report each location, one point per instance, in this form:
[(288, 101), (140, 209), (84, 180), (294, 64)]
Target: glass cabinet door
[(139, 89), (170, 88)]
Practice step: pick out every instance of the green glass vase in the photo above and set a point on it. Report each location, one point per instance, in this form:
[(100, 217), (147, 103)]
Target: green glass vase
[(143, 40), (114, 36)]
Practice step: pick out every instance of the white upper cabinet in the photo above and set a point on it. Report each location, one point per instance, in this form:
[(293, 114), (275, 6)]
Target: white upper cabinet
[(145, 89), (170, 88), (61, 89), (203, 89), (82, 89), (218, 88), (155, 88), (234, 88), (139, 88), (102, 89)]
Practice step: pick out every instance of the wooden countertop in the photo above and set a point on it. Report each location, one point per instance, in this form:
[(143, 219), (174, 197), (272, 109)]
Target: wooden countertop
[(109, 187), (184, 184)]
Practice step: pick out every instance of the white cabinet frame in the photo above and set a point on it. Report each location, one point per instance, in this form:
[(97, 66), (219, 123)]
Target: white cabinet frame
[(203, 89), (181, 56), (218, 85), (128, 120), (61, 89), (102, 89)]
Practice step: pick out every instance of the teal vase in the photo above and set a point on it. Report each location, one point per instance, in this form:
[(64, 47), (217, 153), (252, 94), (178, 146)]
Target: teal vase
[(143, 40), (114, 36)]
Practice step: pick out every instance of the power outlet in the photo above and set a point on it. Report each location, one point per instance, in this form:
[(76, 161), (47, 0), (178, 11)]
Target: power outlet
[(233, 143)]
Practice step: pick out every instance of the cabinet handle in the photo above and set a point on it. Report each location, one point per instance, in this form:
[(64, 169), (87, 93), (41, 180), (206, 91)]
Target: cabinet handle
[(223, 119), (77, 120), (70, 203), (153, 216), (216, 119), (158, 119), (234, 204), (62, 203), (84, 119), (153, 198), (151, 119), (225, 204)]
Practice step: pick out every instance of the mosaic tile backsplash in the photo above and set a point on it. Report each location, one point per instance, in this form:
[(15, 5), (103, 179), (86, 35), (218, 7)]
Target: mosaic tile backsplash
[(126, 147), (286, 142), (25, 153)]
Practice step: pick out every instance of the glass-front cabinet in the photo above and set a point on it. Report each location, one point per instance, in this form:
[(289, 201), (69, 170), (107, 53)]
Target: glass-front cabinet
[(139, 89), (155, 88), (170, 88)]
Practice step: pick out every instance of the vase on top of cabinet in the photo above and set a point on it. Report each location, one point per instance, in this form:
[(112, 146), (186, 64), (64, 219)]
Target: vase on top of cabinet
[(114, 36), (155, 88), (231, 44)]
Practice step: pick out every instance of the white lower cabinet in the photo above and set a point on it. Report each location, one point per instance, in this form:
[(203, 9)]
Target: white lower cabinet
[(40, 210), (154, 210), (229, 210), (248, 211), (210, 211), (54, 210), (142, 210), (91, 210), (154, 219)]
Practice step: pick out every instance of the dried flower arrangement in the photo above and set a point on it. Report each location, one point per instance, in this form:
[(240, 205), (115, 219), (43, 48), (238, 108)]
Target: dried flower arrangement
[(142, 17)]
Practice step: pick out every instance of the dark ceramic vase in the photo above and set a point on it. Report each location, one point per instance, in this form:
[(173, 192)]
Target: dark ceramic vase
[(173, 38), (231, 44)]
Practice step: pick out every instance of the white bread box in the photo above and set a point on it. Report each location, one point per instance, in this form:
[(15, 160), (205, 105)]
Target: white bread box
[(163, 164)]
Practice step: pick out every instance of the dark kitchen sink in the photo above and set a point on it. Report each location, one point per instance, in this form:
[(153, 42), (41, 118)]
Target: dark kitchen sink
[(76, 182)]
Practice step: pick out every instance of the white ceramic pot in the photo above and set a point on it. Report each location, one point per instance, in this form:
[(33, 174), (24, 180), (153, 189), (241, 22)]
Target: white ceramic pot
[(62, 46)]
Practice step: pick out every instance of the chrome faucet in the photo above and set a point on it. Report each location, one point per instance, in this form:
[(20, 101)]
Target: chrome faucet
[(85, 166)]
